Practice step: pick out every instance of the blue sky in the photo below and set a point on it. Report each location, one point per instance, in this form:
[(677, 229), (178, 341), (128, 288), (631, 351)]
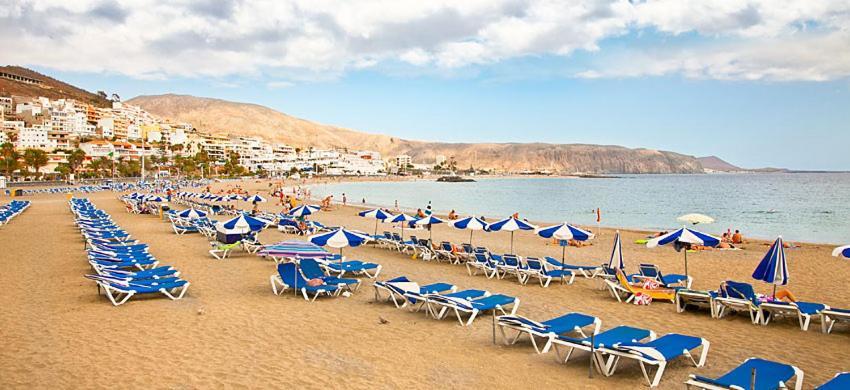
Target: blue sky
[(754, 84)]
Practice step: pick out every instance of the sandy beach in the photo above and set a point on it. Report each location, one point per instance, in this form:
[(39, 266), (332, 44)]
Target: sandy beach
[(230, 331)]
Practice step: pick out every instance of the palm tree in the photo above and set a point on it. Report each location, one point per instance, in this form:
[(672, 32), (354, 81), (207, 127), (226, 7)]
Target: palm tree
[(35, 159), (76, 159), (9, 159)]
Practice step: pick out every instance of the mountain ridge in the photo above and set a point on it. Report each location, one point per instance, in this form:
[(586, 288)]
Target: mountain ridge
[(250, 119)]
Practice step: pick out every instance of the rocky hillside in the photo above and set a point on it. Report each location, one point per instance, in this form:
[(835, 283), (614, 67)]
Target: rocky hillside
[(714, 163), (254, 120), (49, 87)]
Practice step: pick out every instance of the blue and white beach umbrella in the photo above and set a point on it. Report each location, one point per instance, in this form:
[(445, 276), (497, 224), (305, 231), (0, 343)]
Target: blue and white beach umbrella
[(428, 221), (304, 210), (684, 236), (255, 198), (230, 197), (339, 238), (510, 224), (564, 232), (773, 268), (616, 260), (191, 214), (472, 223), (377, 214), (403, 219), (242, 224), (842, 251)]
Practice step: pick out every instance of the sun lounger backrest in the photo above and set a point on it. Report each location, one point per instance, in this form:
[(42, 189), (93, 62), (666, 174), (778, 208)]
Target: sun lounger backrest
[(740, 290), (310, 268), (534, 264), (650, 271)]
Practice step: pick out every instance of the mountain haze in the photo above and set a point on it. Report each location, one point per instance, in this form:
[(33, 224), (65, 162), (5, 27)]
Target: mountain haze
[(220, 116)]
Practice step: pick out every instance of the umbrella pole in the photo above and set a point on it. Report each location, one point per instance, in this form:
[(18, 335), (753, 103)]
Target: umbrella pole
[(774, 291), (563, 257), (512, 242), (470, 237), (376, 226), (686, 263)]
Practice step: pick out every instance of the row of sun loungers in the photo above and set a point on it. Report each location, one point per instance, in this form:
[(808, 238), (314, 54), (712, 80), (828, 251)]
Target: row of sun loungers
[(123, 267), (607, 349), (442, 299), (12, 209), (741, 297)]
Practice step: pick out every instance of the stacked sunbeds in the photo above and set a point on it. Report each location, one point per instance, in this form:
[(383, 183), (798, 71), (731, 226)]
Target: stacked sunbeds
[(441, 299), (123, 267), (738, 297), (12, 209)]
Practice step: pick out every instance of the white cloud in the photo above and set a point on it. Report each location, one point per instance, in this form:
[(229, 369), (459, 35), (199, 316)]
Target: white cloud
[(749, 39), (279, 84)]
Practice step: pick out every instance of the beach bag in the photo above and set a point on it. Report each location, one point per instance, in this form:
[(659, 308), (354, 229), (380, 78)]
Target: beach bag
[(642, 299), (315, 282), (651, 284)]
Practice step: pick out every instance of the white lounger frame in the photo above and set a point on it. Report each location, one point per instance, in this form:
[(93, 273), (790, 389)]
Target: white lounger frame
[(654, 359)]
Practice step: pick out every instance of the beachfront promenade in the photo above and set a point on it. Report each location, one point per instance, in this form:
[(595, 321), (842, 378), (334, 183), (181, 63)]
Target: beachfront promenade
[(231, 330)]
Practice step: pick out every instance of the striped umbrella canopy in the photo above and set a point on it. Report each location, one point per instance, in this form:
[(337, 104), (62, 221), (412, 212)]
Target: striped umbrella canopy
[(378, 214), (255, 198), (241, 225), (684, 236), (230, 197), (293, 249), (340, 238), (403, 219), (191, 214), (563, 233), (304, 210), (773, 268), (472, 223), (616, 260), (428, 221), (842, 251), (510, 224)]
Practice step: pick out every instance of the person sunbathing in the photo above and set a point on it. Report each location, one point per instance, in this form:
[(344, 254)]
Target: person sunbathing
[(452, 215)]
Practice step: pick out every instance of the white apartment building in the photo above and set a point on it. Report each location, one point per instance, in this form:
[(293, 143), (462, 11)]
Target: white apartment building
[(34, 137), (106, 127)]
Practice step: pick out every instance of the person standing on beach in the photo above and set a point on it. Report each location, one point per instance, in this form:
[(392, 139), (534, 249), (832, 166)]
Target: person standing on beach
[(344, 199), (396, 205), (428, 208)]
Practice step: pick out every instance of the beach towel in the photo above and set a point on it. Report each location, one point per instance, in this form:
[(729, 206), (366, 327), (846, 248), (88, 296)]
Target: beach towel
[(642, 299)]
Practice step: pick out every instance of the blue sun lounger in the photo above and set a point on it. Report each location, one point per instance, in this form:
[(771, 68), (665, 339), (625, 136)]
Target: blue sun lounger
[(657, 353), (355, 267), (311, 270), (769, 375), (803, 311), (472, 306), (402, 291), (153, 273), (588, 271), (619, 335), (651, 271), (120, 290), (738, 296), (549, 329), (287, 277), (840, 381)]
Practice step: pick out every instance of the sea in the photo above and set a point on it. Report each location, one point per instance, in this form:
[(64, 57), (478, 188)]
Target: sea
[(808, 207)]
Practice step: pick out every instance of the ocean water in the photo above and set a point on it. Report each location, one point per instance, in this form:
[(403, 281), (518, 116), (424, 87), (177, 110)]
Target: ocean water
[(810, 207)]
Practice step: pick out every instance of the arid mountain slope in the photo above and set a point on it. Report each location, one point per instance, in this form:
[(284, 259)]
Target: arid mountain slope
[(221, 116), (49, 87)]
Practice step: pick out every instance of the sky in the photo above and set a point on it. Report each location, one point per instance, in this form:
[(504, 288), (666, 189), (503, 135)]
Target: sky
[(757, 83)]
